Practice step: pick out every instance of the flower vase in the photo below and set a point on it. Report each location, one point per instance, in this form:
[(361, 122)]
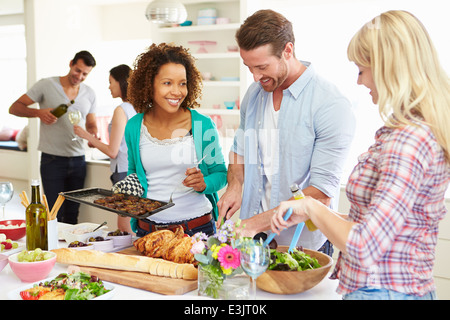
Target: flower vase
[(218, 286)]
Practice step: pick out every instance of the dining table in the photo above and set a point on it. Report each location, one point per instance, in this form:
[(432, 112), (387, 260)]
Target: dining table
[(325, 290)]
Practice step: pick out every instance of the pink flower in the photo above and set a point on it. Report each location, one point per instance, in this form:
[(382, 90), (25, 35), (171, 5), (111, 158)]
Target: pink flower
[(229, 257), (197, 247)]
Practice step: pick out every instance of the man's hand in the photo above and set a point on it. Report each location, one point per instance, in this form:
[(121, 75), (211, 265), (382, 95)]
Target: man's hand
[(229, 203), (46, 116)]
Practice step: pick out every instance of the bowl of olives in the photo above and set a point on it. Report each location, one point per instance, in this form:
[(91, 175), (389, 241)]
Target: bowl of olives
[(120, 238), (101, 243), (80, 245)]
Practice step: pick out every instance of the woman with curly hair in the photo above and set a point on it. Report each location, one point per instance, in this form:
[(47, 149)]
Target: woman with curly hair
[(168, 140)]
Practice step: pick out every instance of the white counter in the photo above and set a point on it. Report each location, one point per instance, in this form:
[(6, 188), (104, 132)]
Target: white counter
[(325, 290)]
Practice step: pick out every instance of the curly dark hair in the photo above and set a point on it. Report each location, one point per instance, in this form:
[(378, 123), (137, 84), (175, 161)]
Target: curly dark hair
[(146, 67)]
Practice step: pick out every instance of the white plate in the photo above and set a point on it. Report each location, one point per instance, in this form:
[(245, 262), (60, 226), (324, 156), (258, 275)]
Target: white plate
[(15, 294), (9, 252)]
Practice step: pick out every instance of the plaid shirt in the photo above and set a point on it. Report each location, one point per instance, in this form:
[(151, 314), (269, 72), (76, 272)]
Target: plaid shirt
[(397, 194)]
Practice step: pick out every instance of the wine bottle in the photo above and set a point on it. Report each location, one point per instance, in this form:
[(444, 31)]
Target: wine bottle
[(36, 220), (61, 109), (298, 194)]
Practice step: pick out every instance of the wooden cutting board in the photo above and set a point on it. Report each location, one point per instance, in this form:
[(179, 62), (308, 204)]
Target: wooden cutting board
[(140, 280)]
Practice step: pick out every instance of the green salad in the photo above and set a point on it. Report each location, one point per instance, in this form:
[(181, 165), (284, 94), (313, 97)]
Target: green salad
[(295, 261), (78, 286)]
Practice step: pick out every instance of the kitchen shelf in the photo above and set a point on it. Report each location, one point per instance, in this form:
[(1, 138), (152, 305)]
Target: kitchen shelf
[(223, 65), (221, 83), (223, 112), (213, 27), (218, 55)]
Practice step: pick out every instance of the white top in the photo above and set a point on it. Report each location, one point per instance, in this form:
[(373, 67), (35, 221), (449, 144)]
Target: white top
[(269, 143), (121, 161), (165, 162)]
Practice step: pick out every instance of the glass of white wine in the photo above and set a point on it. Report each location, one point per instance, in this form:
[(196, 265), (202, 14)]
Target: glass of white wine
[(74, 118)]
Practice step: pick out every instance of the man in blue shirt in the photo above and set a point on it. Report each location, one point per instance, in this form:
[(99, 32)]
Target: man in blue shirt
[(295, 127)]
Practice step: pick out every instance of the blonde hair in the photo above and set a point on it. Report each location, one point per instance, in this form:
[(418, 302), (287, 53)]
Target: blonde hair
[(411, 84)]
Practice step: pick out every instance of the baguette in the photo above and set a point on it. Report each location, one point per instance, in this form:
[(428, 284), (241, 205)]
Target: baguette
[(117, 261)]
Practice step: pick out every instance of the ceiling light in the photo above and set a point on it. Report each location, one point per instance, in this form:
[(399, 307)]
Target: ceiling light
[(166, 11)]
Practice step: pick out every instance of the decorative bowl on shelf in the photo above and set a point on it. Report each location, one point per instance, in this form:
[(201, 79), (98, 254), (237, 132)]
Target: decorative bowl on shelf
[(203, 44), (206, 21), (187, 23), (229, 79), (222, 20), (207, 76), (229, 104)]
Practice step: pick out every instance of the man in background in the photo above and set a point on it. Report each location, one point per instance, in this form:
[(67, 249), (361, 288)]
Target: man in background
[(63, 165)]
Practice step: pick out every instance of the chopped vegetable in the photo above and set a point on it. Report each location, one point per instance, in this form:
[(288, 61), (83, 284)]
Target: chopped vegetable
[(295, 261), (34, 293)]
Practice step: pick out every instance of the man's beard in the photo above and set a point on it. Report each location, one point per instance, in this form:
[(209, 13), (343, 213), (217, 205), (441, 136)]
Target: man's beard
[(279, 80)]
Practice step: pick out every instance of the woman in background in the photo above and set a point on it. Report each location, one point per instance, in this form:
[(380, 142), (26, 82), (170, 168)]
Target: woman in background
[(397, 189), (117, 149)]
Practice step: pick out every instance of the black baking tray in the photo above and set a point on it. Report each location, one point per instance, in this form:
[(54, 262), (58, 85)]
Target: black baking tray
[(87, 196)]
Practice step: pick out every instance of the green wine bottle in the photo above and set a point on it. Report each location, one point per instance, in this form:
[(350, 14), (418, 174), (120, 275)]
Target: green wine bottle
[(61, 109), (36, 220)]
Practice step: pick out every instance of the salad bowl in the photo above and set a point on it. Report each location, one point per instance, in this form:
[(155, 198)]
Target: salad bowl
[(291, 282)]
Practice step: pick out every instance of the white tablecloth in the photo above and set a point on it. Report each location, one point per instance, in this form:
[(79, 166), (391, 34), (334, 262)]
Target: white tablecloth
[(325, 290)]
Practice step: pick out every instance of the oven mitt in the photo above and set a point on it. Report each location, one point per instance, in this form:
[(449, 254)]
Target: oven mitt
[(130, 185)]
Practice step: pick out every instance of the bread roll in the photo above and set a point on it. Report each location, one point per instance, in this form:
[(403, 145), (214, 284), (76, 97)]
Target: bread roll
[(117, 261)]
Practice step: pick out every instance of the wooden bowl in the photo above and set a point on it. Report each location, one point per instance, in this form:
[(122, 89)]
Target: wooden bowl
[(290, 282)]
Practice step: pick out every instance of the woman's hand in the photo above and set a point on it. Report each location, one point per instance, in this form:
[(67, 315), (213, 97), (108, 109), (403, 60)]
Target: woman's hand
[(194, 179), (299, 214), (79, 131)]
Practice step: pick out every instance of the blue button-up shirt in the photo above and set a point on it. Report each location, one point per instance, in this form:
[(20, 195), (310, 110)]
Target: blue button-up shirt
[(316, 127)]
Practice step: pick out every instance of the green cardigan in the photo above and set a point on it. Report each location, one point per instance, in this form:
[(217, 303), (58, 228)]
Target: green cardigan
[(206, 141)]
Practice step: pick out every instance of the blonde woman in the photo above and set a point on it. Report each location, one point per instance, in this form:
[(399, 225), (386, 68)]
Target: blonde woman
[(397, 189)]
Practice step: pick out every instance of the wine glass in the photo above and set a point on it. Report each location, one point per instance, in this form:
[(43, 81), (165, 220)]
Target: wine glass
[(74, 118), (6, 193), (255, 258)]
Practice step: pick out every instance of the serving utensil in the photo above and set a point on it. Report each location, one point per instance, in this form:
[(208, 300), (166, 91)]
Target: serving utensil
[(297, 233), (101, 225), (273, 234)]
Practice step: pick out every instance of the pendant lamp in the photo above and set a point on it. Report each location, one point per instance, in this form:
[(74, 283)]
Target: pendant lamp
[(166, 11)]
